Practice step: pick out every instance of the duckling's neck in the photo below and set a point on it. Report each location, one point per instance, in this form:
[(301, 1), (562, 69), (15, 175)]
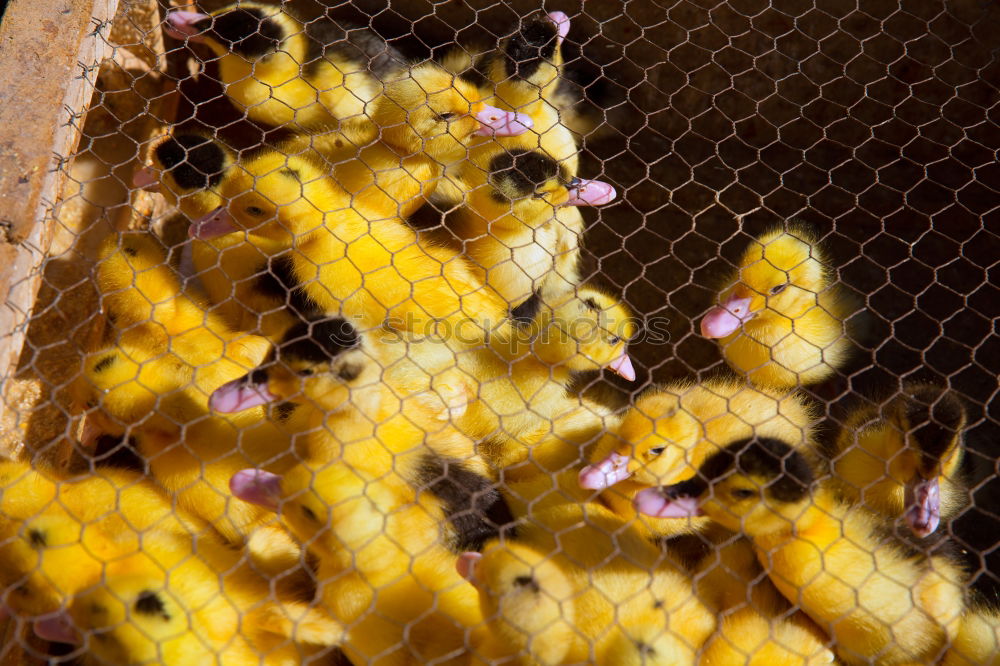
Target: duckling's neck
[(819, 519)]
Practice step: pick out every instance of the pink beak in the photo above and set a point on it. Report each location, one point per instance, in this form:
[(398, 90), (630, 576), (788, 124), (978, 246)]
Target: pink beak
[(56, 628), (217, 223), (466, 565), (181, 25), (257, 487), (239, 394), (606, 473), (727, 318), (590, 193), (562, 23), (494, 122), (923, 501), (623, 366), (651, 502), (147, 179)]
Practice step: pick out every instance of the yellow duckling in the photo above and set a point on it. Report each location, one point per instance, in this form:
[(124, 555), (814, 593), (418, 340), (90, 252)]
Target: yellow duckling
[(510, 226), (337, 260), (618, 579), (390, 491), (978, 640), (521, 407), (48, 523), (878, 600), (157, 387), (757, 626), (669, 432), (781, 323), (904, 458), (168, 605), (526, 601), (281, 70)]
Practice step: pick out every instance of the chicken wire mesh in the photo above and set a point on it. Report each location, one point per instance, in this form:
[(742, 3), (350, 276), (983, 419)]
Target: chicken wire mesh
[(415, 468)]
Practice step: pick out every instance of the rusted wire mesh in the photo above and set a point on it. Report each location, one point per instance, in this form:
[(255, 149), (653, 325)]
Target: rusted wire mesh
[(874, 128)]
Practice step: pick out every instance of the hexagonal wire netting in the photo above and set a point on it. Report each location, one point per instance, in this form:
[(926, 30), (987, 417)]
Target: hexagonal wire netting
[(872, 125)]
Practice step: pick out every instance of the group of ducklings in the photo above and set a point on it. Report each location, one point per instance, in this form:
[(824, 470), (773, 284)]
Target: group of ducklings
[(360, 439)]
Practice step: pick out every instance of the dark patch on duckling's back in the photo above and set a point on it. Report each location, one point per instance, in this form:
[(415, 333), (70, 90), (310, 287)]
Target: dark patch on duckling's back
[(526, 312), (246, 31), (150, 603), (318, 341), (786, 472), (516, 174), (105, 363), (194, 161), (276, 280), (471, 503), (328, 40), (284, 411), (526, 50)]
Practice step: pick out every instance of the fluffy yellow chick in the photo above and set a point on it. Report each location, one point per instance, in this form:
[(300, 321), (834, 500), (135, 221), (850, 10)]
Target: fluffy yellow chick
[(526, 601), (281, 70), (521, 408), (781, 320), (618, 579), (877, 599), (669, 432), (52, 524), (387, 498), (511, 224), (157, 386), (978, 640), (757, 626), (169, 605), (903, 457)]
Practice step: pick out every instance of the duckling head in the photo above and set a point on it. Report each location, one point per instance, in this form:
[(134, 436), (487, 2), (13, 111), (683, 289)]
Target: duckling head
[(428, 110), (588, 330), (273, 195), (129, 619), (930, 419), (528, 182), (318, 362), (136, 282), (655, 443), (525, 596), (186, 169), (120, 386), (754, 486), (778, 280), (249, 30)]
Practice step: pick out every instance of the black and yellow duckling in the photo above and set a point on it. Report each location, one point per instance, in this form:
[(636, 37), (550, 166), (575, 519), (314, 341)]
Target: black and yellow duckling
[(669, 431), (522, 409), (781, 317), (282, 70), (389, 493), (53, 525), (877, 599), (175, 603), (511, 225), (903, 457)]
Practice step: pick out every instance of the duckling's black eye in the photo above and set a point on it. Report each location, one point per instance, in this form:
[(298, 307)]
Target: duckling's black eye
[(743, 493), (306, 372), (256, 211), (657, 451), (539, 195), (614, 339), (309, 513), (446, 116), (778, 289)]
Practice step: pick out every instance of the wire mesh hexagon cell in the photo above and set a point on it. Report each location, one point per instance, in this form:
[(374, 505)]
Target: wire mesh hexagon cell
[(489, 332)]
